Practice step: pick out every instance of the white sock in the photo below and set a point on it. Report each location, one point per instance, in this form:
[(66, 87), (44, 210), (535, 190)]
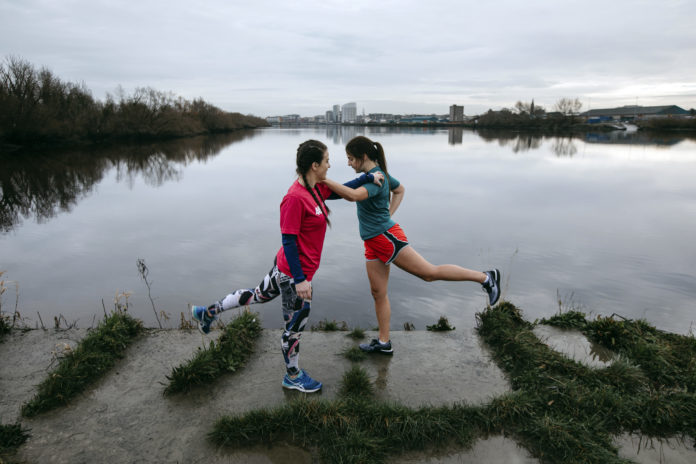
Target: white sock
[(488, 279)]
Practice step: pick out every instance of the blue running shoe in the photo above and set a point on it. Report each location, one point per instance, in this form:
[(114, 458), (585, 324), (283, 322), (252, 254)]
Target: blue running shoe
[(302, 382), (200, 314), (376, 346), (492, 287)]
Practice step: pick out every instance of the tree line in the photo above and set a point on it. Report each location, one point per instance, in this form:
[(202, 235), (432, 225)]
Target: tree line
[(527, 115), (38, 107)]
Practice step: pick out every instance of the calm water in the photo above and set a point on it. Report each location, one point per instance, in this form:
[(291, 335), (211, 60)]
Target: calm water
[(603, 222)]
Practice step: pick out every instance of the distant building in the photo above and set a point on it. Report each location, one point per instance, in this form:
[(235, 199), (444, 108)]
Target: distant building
[(380, 117), (336, 113), (635, 112), (456, 113), (349, 112), (330, 116), (420, 119)]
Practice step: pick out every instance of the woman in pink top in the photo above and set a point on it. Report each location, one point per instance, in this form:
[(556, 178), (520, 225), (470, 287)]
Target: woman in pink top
[(303, 221)]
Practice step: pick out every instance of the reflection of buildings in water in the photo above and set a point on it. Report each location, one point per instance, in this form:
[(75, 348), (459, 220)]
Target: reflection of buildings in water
[(455, 135), (634, 138), (341, 135)]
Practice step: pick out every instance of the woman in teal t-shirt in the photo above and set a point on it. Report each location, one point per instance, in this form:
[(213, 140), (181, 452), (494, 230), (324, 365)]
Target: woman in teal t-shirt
[(385, 241)]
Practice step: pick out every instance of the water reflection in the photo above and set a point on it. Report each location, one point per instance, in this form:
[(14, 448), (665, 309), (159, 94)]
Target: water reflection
[(455, 135), (637, 138), (608, 222), (564, 146), (42, 184), (341, 135), (517, 141)]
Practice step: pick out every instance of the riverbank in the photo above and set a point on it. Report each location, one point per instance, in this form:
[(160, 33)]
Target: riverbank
[(38, 110), (126, 418)]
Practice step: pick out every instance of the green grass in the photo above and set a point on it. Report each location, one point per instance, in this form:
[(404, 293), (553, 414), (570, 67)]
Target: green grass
[(668, 360), (442, 325), (330, 326), (566, 320), (356, 384), (94, 356), (560, 410), (355, 354), (5, 327), (229, 353), (11, 438), (357, 333)]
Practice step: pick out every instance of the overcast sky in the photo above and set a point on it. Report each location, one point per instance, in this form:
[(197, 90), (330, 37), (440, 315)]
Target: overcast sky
[(274, 58)]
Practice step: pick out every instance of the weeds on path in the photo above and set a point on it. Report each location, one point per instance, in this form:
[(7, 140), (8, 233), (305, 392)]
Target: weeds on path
[(561, 411), (228, 354), (94, 356), (11, 438), (442, 325)]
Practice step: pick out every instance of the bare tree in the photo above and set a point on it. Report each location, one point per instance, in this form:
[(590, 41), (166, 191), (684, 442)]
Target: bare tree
[(568, 106)]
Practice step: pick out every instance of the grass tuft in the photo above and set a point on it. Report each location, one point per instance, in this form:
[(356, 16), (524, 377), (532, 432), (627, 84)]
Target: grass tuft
[(357, 333), (5, 326), (442, 325), (94, 356), (11, 438), (567, 320), (228, 354), (669, 360), (330, 326), (356, 384), (355, 354)]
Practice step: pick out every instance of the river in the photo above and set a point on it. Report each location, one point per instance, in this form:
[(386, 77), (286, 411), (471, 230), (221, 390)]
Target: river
[(601, 223)]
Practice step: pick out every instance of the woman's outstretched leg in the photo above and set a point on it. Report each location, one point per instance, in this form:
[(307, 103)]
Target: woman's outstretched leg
[(264, 292), (412, 262)]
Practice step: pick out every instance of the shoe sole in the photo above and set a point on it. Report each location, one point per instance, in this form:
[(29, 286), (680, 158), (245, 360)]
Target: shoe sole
[(200, 323), (390, 352), (496, 277), (200, 329), (301, 389)]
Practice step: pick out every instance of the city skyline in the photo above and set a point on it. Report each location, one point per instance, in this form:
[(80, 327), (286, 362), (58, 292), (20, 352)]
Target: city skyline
[(393, 57)]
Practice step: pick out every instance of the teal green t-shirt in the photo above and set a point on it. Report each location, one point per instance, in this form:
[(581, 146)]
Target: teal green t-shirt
[(373, 212)]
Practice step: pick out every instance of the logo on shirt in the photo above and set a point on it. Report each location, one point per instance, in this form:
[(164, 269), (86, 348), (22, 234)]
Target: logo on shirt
[(317, 210)]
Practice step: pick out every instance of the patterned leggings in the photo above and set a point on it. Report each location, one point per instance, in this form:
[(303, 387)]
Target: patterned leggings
[(295, 310)]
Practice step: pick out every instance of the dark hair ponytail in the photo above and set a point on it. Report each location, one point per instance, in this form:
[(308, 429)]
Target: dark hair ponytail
[(362, 146), (309, 152)]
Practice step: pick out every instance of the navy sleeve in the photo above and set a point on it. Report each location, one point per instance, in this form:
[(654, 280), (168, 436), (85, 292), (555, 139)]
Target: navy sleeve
[(292, 255), (355, 183)]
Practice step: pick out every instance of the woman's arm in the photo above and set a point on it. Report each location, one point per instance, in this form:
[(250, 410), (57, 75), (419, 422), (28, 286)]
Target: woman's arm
[(347, 193), (375, 178), (303, 288), (397, 196)]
